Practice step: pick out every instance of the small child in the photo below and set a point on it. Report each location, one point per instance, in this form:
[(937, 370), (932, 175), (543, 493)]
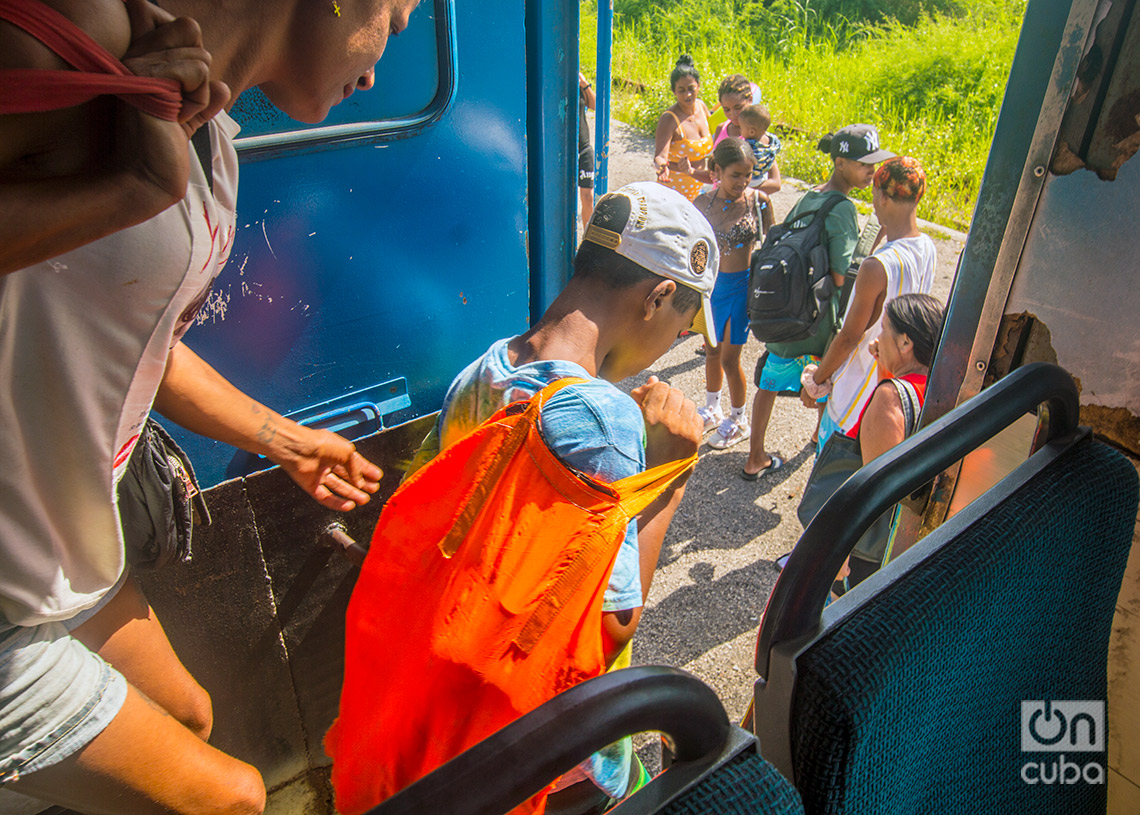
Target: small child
[(754, 123)]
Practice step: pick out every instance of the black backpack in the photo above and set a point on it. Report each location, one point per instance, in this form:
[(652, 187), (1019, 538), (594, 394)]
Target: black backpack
[(790, 286)]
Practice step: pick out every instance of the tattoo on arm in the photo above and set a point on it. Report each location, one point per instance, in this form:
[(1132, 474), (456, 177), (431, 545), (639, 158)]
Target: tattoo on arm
[(268, 431)]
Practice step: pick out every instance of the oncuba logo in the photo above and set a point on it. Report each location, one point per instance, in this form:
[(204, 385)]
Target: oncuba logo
[(1059, 727)]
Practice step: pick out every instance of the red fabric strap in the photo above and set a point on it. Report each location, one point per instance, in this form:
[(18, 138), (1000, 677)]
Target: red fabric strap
[(97, 72)]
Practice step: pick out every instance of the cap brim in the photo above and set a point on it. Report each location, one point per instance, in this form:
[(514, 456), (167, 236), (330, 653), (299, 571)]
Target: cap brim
[(876, 157), (703, 320)]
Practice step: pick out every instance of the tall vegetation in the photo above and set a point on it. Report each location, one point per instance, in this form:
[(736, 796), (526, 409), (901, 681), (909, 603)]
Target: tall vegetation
[(930, 74)]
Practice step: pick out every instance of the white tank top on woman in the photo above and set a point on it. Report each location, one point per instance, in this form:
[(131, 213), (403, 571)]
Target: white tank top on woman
[(909, 263), (84, 340)]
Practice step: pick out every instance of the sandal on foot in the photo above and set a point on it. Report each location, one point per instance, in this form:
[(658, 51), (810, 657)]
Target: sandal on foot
[(776, 464)]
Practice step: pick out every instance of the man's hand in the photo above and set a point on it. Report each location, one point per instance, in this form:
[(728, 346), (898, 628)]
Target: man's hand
[(154, 151), (673, 429), (328, 467)]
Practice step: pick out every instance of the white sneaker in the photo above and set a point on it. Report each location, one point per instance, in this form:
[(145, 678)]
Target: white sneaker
[(712, 417), (729, 433)]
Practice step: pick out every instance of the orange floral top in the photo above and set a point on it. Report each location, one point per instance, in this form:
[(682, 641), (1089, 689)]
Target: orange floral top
[(693, 149)]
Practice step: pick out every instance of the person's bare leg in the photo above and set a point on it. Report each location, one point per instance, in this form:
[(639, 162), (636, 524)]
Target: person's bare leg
[(820, 408), (587, 198), (734, 373), (153, 756), (762, 405), (146, 763), (714, 376), (127, 634)]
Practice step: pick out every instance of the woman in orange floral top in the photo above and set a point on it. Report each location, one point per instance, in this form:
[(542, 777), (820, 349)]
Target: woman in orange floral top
[(684, 140)]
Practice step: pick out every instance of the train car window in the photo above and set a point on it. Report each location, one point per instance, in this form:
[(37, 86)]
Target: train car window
[(415, 81)]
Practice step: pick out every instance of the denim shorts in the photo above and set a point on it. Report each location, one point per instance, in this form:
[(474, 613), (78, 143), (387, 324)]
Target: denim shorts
[(56, 695)]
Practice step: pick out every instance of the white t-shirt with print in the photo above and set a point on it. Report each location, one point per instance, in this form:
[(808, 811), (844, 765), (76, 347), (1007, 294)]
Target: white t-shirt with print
[(909, 263), (84, 339)]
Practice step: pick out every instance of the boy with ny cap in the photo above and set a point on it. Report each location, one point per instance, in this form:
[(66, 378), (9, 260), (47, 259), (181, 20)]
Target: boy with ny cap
[(902, 265), (643, 275), (854, 152)]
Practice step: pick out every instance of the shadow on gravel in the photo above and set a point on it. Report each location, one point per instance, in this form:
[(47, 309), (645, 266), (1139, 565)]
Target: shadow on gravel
[(729, 606)]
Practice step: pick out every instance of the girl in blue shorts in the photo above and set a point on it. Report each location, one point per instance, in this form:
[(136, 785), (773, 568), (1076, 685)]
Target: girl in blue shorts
[(739, 216)]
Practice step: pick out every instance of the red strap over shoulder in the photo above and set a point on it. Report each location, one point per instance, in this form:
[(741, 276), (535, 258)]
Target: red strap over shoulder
[(97, 71)]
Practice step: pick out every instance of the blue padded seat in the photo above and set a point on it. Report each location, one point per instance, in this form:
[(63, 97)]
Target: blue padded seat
[(912, 703)]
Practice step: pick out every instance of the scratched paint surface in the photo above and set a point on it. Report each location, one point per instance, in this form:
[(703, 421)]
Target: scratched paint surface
[(348, 263)]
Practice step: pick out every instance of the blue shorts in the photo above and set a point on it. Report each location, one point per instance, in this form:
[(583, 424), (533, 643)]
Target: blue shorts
[(730, 302), (56, 695), (782, 374)]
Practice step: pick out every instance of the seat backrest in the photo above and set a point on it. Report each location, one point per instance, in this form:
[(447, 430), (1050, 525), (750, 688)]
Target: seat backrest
[(914, 700), (717, 768), (915, 692)]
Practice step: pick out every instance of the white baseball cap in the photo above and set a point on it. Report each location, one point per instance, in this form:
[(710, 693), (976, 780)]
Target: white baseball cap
[(666, 235)]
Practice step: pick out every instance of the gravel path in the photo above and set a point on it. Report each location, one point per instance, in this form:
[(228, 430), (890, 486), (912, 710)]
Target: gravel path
[(716, 568)]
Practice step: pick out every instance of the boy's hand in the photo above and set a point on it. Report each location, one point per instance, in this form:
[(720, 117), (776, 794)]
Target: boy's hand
[(673, 429)]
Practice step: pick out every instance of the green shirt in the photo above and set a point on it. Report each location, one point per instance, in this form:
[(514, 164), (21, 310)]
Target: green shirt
[(842, 235)]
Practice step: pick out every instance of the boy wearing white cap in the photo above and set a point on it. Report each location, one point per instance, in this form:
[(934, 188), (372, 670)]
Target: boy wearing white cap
[(643, 275)]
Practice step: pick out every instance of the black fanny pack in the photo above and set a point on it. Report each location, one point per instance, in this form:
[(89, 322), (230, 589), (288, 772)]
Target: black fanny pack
[(159, 501)]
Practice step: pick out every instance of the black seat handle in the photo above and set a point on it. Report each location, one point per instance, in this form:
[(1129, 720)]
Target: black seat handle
[(800, 592), (513, 764)]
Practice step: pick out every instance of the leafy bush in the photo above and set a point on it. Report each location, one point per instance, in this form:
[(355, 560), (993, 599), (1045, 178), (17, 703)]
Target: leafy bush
[(933, 88)]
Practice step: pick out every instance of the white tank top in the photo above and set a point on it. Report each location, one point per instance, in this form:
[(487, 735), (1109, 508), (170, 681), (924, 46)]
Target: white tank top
[(84, 340), (909, 263)]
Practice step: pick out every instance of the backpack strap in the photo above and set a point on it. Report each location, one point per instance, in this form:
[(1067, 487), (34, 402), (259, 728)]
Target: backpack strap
[(830, 203), (97, 72)]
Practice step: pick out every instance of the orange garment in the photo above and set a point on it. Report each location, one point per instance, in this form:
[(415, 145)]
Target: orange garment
[(480, 599), (693, 149)]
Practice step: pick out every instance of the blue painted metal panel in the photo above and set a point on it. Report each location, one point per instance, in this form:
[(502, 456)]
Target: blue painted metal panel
[(602, 107), (552, 88), (396, 254)]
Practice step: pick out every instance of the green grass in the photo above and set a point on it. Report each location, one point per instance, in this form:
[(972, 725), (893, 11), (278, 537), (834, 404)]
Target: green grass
[(933, 88)]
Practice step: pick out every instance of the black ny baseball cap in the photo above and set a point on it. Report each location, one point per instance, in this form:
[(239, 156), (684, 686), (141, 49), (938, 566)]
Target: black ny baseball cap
[(858, 143)]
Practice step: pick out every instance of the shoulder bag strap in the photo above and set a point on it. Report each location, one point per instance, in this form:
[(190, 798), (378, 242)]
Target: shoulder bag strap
[(909, 398)]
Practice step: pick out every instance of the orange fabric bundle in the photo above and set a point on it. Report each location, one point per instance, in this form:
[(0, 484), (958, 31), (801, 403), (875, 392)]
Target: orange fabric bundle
[(480, 599)]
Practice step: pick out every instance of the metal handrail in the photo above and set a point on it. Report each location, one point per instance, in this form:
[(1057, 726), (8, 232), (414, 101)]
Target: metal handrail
[(794, 607)]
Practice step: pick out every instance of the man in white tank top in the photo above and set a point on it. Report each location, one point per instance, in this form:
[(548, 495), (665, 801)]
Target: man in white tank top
[(903, 265)]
